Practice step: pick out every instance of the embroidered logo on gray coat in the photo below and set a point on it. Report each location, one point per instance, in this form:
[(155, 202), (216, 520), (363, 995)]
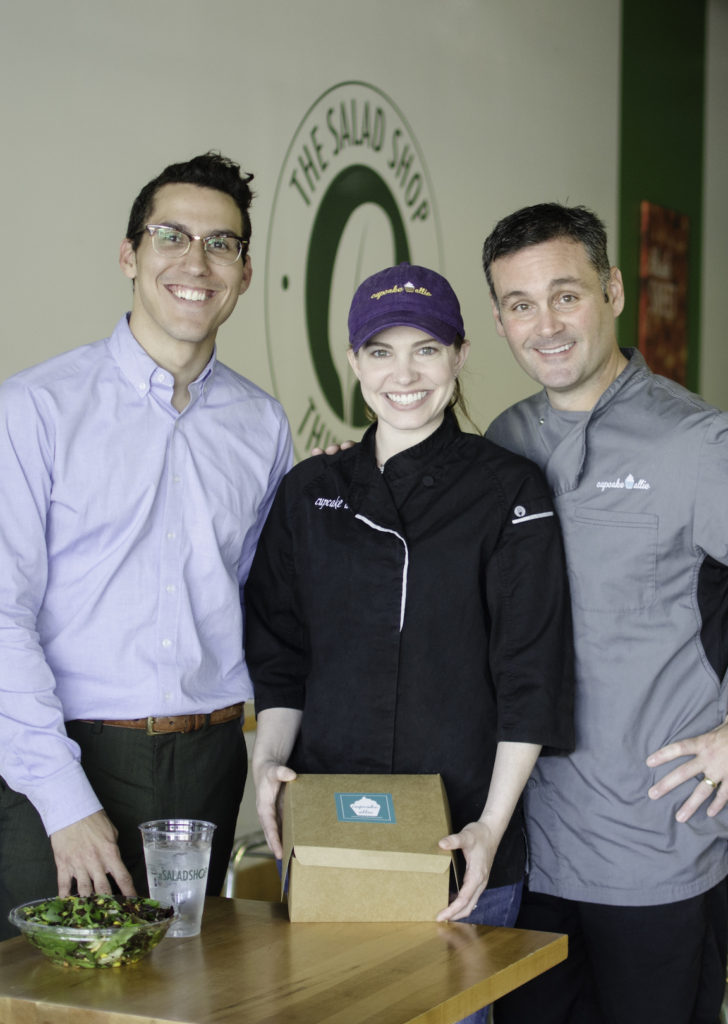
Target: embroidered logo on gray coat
[(628, 484)]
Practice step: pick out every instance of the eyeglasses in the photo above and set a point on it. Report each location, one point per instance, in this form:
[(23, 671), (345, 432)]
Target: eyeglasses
[(175, 242)]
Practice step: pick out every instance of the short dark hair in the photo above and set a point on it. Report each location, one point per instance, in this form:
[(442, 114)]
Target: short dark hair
[(211, 170), (542, 223)]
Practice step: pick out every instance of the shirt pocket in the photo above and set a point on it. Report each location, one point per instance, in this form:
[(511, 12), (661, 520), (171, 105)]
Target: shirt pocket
[(615, 555)]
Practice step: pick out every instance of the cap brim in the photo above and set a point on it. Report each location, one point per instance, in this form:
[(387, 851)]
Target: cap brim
[(437, 329)]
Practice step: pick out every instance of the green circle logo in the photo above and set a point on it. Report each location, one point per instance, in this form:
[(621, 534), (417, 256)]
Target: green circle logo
[(353, 196)]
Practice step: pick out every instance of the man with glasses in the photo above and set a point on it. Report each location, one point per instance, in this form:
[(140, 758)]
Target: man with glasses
[(137, 474)]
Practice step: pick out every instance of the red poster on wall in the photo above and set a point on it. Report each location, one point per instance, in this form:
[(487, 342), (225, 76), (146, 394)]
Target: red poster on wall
[(663, 321)]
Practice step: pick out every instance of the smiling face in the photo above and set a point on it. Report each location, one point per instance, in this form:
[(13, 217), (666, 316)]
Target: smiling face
[(558, 321), (407, 379), (180, 303)]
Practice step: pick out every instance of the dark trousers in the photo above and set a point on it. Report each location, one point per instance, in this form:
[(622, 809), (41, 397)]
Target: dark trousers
[(627, 965), (136, 778)]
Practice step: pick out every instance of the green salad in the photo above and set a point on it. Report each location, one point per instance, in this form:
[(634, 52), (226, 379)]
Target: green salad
[(93, 931)]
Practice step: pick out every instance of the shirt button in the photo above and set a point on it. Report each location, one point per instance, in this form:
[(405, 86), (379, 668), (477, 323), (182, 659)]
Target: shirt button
[(170, 535), (166, 643), (541, 420), (428, 481), (171, 588)]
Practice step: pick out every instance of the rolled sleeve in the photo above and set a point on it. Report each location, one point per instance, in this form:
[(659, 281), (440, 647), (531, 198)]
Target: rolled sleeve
[(531, 639)]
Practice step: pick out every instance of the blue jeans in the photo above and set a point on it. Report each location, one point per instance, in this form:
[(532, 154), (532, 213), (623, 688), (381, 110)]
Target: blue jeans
[(496, 907)]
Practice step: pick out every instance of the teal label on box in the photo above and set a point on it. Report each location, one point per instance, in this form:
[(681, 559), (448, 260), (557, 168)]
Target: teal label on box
[(377, 807)]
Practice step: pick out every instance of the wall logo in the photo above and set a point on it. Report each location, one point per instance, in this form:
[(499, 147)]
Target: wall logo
[(353, 196)]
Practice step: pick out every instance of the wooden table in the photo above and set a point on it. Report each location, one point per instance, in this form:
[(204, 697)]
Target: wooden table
[(251, 966)]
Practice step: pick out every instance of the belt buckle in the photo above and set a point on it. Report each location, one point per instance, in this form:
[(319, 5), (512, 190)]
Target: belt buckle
[(151, 719)]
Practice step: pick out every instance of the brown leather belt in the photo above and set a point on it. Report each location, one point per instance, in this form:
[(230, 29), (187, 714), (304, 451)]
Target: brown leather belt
[(174, 723)]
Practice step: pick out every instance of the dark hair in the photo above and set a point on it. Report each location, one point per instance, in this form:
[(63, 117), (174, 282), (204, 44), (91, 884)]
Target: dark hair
[(211, 170), (457, 399), (543, 223)]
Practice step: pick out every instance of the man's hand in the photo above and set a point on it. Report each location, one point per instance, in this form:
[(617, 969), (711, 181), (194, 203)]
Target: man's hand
[(479, 846), (709, 753), (332, 449), (87, 851)]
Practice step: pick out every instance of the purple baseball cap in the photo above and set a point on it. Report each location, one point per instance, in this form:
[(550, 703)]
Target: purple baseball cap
[(405, 296)]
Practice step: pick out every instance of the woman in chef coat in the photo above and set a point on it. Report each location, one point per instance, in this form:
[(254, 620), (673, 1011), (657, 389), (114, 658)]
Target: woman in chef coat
[(407, 608)]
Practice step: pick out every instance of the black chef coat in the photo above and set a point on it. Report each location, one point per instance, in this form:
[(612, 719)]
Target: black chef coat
[(416, 616)]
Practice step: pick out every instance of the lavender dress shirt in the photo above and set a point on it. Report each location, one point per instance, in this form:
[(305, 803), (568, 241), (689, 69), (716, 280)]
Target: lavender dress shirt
[(126, 532)]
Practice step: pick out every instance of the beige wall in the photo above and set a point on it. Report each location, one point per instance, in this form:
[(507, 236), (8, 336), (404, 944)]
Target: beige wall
[(512, 102)]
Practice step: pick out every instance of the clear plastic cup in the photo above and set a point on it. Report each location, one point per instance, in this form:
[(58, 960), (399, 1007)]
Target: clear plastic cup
[(177, 855)]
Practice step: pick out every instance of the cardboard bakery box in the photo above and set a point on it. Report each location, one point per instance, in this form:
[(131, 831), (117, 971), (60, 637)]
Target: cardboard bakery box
[(364, 847)]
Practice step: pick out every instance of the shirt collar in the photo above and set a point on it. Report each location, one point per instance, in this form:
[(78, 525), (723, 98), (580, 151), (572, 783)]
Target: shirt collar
[(635, 365), (566, 460), (140, 369), (367, 485)]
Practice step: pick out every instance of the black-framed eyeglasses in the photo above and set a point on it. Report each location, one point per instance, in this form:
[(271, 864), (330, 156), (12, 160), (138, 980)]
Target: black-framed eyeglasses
[(174, 242)]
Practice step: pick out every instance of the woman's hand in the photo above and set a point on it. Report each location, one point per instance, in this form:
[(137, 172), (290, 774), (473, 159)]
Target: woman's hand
[(479, 840), (479, 845), (275, 734), (269, 779)]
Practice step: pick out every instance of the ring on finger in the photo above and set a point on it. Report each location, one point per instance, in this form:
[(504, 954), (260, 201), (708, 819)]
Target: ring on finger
[(713, 785)]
